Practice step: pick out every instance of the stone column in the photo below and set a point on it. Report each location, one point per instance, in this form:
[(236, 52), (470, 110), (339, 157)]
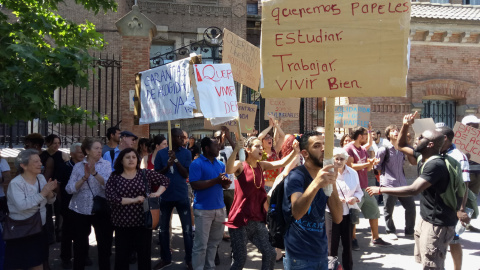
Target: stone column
[(137, 31)]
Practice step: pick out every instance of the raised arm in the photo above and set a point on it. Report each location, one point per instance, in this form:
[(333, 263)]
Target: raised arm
[(272, 165), (278, 134), (233, 165), (370, 140), (265, 131), (402, 136)]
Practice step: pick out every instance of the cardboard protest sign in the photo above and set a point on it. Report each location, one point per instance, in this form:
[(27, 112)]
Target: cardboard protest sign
[(247, 113), (163, 92), (467, 140), (420, 125), (352, 115), (244, 58), (282, 108), (216, 92), (334, 48)]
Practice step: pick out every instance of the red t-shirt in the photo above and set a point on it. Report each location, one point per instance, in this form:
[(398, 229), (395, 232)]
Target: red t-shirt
[(359, 155), (271, 175), (249, 198)]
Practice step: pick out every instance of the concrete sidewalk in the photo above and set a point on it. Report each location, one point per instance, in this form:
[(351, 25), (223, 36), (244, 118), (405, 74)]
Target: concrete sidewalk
[(397, 256)]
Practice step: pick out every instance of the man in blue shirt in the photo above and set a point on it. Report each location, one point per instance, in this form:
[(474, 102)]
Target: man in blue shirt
[(127, 140), (304, 207), (207, 178), (175, 164)]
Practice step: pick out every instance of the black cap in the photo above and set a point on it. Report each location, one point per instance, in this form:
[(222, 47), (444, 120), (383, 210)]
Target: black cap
[(127, 133)]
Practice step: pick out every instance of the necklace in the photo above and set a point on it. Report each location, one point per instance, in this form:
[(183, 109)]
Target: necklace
[(255, 184)]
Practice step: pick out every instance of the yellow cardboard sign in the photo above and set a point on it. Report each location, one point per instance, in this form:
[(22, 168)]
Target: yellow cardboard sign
[(244, 58), (334, 48), (282, 108), (467, 140)]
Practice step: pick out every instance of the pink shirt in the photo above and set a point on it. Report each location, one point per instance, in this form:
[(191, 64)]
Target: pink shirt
[(359, 155)]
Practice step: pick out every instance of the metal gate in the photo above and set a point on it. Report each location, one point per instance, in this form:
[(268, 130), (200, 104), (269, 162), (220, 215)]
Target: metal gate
[(103, 96), (440, 110)]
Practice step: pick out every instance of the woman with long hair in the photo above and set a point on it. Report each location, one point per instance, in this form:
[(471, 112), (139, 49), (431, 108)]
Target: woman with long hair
[(143, 147), (87, 181), (346, 139), (158, 143), (126, 192), (27, 195), (247, 217)]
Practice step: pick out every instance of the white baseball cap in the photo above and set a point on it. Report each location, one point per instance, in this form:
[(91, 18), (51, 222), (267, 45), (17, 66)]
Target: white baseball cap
[(470, 119)]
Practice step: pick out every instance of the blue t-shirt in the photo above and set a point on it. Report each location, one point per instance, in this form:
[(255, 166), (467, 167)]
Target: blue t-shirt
[(306, 238), (108, 157), (212, 197), (177, 190)]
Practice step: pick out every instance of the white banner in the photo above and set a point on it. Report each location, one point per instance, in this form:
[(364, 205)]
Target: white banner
[(164, 91), (216, 91)]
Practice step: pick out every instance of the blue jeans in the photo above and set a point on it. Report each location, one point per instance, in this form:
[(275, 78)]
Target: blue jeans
[(290, 263), (183, 210)]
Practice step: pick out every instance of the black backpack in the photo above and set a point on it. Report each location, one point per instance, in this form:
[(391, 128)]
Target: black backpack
[(276, 222)]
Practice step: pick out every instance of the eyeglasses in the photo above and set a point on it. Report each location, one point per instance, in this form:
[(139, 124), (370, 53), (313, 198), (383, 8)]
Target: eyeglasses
[(340, 159)]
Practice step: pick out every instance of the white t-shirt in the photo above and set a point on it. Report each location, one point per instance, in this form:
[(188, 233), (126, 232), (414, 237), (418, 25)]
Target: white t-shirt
[(4, 167), (223, 156)]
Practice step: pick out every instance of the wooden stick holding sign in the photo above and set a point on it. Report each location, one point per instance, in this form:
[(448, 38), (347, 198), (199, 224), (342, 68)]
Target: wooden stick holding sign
[(329, 137)]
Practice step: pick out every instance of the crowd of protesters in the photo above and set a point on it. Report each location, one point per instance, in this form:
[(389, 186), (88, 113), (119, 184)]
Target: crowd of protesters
[(213, 185)]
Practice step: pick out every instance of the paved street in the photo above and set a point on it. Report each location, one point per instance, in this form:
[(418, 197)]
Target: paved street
[(397, 256)]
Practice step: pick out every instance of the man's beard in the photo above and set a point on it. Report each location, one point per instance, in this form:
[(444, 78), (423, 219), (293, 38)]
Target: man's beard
[(421, 147), (316, 161)]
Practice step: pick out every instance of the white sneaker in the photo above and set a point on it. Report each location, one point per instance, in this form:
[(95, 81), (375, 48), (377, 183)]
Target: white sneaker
[(392, 236)]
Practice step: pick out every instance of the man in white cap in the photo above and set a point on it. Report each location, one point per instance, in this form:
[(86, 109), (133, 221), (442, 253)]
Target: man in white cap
[(474, 185)]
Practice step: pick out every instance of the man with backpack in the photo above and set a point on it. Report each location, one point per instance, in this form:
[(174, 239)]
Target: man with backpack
[(391, 173), (437, 227), (304, 205), (450, 149)]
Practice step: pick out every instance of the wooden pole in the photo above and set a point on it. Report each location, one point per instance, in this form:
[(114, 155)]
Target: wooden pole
[(169, 135), (329, 138)]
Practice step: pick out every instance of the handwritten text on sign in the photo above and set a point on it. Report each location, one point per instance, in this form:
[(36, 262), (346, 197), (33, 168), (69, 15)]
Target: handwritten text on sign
[(334, 48), (163, 92), (244, 58), (353, 115), (216, 90), (247, 113), (467, 140), (282, 108)]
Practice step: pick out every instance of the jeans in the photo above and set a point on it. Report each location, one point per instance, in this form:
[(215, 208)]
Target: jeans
[(183, 210), (290, 263), (410, 213), (257, 233), (208, 234)]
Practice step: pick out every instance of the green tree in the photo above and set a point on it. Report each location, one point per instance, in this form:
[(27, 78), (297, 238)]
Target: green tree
[(39, 52)]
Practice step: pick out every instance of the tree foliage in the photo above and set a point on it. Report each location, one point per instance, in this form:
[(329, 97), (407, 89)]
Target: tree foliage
[(39, 52)]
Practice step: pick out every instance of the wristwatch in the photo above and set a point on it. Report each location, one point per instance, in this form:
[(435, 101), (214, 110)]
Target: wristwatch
[(175, 160)]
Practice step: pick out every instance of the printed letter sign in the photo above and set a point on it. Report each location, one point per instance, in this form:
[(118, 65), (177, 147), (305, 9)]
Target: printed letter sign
[(467, 140)]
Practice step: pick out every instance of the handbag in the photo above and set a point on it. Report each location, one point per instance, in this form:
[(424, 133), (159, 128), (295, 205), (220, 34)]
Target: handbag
[(354, 213), (151, 207), (100, 204), (16, 229)]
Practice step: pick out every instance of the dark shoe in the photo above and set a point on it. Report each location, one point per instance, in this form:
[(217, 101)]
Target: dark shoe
[(162, 264), (189, 265), (67, 264), (88, 261), (380, 203), (217, 259), (355, 245), (133, 258), (409, 234), (472, 229), (379, 242)]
